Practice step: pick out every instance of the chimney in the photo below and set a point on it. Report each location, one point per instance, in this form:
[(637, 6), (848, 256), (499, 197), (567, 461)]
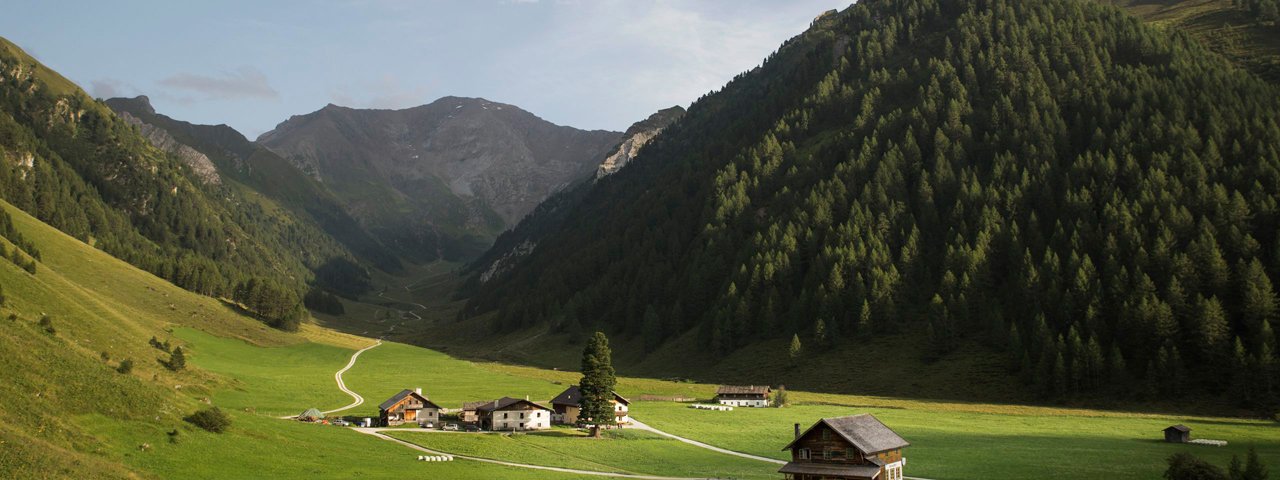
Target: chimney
[(418, 390), (797, 430)]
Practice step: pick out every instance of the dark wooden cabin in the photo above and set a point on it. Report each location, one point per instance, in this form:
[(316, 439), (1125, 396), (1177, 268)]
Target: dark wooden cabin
[(857, 447), (408, 406), (569, 402), (1177, 434)]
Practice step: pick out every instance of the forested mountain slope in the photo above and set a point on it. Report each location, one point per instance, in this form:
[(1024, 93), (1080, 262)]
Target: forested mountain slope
[(1092, 196), (266, 173), (72, 163)]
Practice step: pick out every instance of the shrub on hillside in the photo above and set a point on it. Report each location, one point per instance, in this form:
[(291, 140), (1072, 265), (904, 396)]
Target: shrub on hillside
[(125, 367), (210, 419), (1185, 466), (46, 323)]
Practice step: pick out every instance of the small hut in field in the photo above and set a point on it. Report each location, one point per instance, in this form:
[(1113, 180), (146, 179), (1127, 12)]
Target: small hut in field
[(1177, 434), (311, 415)]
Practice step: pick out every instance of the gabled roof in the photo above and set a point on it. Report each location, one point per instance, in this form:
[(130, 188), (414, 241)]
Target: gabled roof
[(391, 402), (572, 397), (507, 402), (741, 390), (864, 432), (831, 470), (475, 405), (1179, 427)]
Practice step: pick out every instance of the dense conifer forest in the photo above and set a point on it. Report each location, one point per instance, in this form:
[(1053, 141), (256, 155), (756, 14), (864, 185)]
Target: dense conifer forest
[(1094, 197), (67, 160)]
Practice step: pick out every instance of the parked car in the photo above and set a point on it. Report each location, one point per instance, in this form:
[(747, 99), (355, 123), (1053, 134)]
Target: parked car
[(473, 428), (427, 425), (452, 427), (342, 423)]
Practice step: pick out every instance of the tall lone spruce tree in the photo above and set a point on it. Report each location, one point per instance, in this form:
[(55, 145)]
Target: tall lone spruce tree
[(597, 384)]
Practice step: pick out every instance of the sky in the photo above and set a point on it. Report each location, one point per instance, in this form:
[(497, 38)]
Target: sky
[(252, 64)]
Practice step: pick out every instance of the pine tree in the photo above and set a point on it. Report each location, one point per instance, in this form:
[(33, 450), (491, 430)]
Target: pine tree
[(1253, 468), (794, 351), (177, 360), (864, 318), (597, 385)]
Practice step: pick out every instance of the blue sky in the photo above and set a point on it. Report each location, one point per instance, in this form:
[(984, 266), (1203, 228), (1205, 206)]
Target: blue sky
[(252, 64)]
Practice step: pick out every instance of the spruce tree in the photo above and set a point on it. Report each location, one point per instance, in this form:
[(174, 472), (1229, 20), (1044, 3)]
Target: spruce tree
[(597, 384), (794, 351), (177, 360), (1253, 468)]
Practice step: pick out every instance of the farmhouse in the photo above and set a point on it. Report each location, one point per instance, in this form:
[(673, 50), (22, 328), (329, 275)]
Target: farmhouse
[(854, 447), (1177, 434), (743, 396), (408, 406), (568, 403), (513, 414)]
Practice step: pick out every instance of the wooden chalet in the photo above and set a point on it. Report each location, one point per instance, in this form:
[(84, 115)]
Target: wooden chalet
[(1177, 434), (857, 447), (470, 411), (569, 402), (408, 406), (743, 395), (513, 414)]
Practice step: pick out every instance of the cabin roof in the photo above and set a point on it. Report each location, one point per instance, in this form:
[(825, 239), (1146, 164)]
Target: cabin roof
[(864, 432), (1179, 427), (475, 405), (505, 403), (572, 396), (743, 389), (391, 402), (831, 470)]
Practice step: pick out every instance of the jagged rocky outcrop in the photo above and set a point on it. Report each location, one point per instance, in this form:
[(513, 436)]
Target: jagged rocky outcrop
[(443, 179), (636, 137), (201, 166)]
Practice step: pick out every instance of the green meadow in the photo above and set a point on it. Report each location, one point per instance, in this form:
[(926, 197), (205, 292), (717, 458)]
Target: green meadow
[(626, 451), (949, 440)]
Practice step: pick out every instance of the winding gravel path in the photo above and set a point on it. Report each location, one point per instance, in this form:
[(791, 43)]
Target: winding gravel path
[(357, 400), (378, 433), (638, 425)]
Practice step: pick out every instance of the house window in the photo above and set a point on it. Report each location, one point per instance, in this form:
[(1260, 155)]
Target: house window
[(504, 415), (522, 415), (849, 453), (826, 454), (826, 434), (803, 453)]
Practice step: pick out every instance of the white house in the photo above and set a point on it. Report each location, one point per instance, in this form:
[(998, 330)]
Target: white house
[(514, 414), (743, 396)]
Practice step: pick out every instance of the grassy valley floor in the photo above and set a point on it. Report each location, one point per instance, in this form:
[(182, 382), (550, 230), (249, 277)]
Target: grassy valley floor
[(949, 440)]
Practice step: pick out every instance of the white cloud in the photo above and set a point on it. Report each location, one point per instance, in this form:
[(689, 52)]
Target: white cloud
[(242, 83)]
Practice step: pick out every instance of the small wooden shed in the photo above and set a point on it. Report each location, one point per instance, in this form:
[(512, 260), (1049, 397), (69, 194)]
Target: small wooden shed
[(1177, 434)]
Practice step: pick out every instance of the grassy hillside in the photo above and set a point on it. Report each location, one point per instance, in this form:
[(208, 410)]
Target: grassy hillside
[(1226, 26), (66, 412)]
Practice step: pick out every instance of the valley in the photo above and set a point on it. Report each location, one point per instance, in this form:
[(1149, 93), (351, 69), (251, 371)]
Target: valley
[(920, 240)]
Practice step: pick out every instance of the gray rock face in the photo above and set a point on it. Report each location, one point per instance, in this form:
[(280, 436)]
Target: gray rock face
[(457, 166), (636, 137), (200, 164)]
